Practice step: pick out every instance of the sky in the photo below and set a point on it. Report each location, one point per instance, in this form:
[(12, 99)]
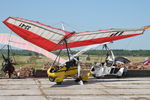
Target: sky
[(85, 15)]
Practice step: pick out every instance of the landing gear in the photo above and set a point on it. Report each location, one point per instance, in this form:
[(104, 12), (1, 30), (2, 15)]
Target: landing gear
[(51, 79), (77, 80), (59, 83)]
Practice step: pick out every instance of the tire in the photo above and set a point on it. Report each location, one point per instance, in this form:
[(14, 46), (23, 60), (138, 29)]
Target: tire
[(124, 74), (51, 79), (77, 80), (58, 83), (96, 76)]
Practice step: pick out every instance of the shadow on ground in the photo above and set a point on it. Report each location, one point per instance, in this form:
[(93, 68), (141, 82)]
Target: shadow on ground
[(68, 83)]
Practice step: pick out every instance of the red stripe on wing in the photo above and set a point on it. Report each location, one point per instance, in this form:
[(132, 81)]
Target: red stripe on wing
[(31, 37), (99, 40)]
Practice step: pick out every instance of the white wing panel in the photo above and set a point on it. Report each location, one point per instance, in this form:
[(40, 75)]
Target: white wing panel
[(102, 34), (47, 34), (12, 21), (38, 28), (41, 31), (77, 38), (56, 37)]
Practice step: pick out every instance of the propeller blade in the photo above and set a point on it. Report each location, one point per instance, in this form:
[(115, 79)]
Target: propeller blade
[(4, 57)]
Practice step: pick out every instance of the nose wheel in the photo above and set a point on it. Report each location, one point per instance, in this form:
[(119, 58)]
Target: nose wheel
[(51, 79)]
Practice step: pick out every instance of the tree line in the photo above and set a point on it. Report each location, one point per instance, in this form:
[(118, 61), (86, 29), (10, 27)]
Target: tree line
[(137, 53), (143, 53)]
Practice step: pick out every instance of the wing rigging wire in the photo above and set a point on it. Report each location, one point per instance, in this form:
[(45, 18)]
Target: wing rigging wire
[(63, 43), (66, 24)]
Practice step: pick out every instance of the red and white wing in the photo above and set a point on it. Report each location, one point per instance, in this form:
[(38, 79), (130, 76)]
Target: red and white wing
[(39, 34), (49, 38), (101, 36), (23, 44)]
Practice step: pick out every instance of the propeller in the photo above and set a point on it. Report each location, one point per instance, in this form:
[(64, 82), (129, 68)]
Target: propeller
[(7, 65), (4, 58)]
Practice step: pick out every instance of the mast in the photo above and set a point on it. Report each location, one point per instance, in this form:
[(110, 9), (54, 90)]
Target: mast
[(8, 51), (62, 25)]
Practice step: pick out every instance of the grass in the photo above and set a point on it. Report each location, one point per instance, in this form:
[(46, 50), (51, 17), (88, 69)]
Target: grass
[(96, 58), (38, 63), (22, 61)]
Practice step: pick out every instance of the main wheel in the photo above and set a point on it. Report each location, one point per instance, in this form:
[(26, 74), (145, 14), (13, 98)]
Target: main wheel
[(77, 80), (58, 83)]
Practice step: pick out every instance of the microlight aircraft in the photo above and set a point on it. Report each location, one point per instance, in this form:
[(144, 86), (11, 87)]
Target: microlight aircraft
[(51, 39)]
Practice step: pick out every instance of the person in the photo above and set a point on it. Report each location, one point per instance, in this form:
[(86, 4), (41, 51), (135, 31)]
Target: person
[(71, 63)]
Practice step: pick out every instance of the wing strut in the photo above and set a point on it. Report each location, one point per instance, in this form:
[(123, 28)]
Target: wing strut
[(68, 53)]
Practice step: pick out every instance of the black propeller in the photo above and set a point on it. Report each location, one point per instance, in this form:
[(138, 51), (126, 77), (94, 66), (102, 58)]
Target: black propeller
[(7, 65)]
